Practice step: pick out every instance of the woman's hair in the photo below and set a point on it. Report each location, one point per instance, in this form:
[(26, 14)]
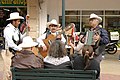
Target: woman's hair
[(83, 36), (57, 49), (87, 53)]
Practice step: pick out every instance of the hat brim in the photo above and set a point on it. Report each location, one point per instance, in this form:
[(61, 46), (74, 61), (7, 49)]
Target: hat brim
[(20, 17), (98, 18), (23, 45), (49, 23)]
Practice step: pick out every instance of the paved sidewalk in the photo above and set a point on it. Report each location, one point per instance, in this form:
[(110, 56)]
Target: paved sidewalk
[(110, 67), (110, 77), (1, 75), (1, 68)]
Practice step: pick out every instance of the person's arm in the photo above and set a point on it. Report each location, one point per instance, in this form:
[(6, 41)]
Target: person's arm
[(40, 40), (104, 39), (79, 46), (63, 39), (41, 43), (23, 35)]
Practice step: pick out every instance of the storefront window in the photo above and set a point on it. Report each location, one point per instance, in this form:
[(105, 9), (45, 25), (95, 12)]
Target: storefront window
[(75, 20), (112, 23), (111, 19), (85, 23), (84, 12), (71, 19), (72, 12), (4, 14), (111, 12)]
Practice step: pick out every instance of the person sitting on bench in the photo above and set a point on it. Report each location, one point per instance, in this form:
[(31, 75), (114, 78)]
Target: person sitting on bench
[(87, 61), (57, 56), (26, 58)]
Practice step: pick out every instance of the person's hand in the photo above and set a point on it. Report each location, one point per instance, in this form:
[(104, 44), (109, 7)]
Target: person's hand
[(59, 37), (44, 48), (28, 28), (71, 44)]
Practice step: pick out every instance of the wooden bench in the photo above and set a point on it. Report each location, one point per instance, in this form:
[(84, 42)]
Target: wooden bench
[(52, 74)]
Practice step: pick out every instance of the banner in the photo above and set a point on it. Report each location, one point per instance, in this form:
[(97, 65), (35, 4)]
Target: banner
[(13, 3)]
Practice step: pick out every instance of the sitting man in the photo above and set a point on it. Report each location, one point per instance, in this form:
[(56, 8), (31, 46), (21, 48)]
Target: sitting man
[(26, 58)]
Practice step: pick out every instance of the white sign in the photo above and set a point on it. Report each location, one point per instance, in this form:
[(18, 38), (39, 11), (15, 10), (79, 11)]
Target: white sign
[(114, 35)]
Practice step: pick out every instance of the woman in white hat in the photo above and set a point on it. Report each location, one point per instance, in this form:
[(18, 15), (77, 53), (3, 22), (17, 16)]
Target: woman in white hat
[(53, 27), (12, 37), (101, 36), (26, 58)]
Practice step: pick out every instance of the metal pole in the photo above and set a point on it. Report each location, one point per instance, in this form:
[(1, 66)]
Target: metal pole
[(63, 14)]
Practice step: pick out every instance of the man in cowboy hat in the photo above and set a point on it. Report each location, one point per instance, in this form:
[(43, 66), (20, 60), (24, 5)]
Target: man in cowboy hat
[(13, 38), (100, 37), (26, 58), (53, 27)]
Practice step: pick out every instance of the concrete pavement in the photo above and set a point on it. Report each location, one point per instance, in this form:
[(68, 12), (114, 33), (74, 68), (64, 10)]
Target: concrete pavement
[(110, 67), (1, 68)]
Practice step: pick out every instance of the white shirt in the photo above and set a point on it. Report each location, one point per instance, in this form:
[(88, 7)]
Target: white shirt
[(78, 48), (11, 32), (56, 61), (40, 39)]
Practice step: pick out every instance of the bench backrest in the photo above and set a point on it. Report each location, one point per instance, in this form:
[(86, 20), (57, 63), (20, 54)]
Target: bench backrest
[(52, 74)]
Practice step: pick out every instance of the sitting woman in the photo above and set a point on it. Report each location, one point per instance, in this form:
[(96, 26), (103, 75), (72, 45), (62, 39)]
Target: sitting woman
[(57, 57), (87, 61), (26, 58)]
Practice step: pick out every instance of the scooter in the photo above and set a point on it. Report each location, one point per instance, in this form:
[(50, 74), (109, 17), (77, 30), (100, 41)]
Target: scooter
[(111, 48)]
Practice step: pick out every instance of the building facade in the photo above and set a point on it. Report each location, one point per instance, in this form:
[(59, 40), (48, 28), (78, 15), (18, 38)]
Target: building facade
[(78, 11)]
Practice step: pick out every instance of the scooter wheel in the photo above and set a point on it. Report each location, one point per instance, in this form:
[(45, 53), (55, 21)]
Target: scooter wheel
[(112, 49)]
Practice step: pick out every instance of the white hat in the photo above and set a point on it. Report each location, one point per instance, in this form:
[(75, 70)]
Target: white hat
[(96, 17), (15, 15), (54, 22), (27, 42)]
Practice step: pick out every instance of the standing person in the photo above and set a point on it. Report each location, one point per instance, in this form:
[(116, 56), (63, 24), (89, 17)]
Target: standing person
[(26, 58), (87, 61), (13, 38), (57, 57), (101, 36), (25, 27), (49, 36)]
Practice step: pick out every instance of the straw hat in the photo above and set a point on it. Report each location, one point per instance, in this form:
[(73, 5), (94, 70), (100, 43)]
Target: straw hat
[(14, 15), (53, 21), (96, 17), (27, 42)]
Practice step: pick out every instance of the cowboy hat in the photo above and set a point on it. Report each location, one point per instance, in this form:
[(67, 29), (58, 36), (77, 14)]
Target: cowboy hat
[(92, 16), (15, 15), (28, 42), (53, 21)]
